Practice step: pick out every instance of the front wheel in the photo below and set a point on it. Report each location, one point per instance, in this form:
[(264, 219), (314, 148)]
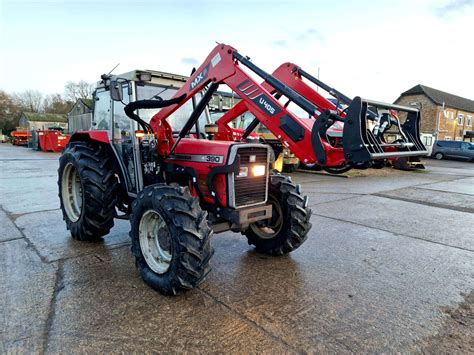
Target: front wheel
[(439, 156), (289, 226), (170, 238)]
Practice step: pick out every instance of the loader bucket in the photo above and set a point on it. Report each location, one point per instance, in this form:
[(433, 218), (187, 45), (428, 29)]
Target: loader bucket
[(362, 145)]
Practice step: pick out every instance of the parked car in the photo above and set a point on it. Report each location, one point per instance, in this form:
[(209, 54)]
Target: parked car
[(453, 149)]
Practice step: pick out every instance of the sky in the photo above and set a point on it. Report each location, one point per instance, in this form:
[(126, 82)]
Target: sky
[(372, 49)]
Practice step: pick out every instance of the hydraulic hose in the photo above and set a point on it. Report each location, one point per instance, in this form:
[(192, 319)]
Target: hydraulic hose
[(149, 104)]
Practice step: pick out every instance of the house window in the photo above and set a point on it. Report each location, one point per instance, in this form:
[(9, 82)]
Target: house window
[(469, 121), (460, 119)]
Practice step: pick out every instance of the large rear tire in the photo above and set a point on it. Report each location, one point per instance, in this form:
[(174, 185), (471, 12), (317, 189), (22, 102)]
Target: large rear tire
[(170, 238), (87, 190), (289, 225)]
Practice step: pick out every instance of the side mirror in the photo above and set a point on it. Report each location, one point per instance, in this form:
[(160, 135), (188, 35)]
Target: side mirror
[(116, 91)]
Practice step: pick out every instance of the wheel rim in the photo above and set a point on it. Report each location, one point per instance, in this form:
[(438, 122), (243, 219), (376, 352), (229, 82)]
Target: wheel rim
[(155, 241), (439, 156), (71, 192), (268, 230)]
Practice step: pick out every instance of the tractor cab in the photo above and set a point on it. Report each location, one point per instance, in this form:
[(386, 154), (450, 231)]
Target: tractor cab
[(125, 134)]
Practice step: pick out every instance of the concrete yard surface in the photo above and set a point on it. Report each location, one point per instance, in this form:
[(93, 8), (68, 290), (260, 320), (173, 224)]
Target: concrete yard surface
[(388, 267)]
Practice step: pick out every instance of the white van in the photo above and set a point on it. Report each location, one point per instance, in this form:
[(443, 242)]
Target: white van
[(428, 140)]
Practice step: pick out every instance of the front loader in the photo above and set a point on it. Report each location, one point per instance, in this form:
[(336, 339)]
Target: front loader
[(381, 125), (176, 186)]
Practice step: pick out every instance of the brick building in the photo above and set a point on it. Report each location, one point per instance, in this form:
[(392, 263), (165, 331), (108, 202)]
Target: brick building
[(447, 116)]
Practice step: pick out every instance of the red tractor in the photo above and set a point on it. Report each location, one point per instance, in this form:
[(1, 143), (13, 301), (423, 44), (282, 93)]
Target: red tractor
[(177, 185)]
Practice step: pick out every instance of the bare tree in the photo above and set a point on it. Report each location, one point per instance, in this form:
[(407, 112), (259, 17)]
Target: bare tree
[(30, 100), (55, 103), (9, 112), (78, 90)]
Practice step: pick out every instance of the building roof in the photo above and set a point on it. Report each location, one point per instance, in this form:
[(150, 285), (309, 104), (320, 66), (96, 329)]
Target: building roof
[(45, 117), (438, 97), (88, 102)]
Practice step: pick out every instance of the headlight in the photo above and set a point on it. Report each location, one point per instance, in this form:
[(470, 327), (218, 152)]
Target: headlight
[(243, 171), (258, 170)]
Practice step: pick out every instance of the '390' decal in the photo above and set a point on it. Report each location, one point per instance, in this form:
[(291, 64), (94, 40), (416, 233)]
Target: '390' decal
[(200, 158), (216, 159)]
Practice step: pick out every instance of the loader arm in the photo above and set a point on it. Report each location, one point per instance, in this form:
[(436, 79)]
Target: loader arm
[(333, 156), (222, 67), (301, 135), (288, 74)]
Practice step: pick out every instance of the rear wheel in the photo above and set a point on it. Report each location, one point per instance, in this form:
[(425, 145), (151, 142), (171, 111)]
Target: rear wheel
[(439, 156), (170, 238), (87, 190), (288, 228)]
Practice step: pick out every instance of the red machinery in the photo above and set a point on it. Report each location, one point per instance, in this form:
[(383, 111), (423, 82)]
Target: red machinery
[(52, 140), (331, 128), (20, 137), (177, 187)]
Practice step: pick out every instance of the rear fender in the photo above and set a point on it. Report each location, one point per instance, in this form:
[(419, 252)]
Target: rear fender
[(101, 137), (98, 136)]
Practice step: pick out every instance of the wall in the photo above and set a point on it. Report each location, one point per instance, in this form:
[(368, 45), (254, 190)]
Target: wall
[(79, 109), (429, 111), (44, 125), (448, 121)]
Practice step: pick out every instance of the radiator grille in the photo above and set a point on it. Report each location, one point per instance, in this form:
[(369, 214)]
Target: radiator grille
[(251, 190)]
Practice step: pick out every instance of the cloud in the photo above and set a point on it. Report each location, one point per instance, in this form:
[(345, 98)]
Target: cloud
[(311, 34), (453, 6), (189, 61), (280, 43)]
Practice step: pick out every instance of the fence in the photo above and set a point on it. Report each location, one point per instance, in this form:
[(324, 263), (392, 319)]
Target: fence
[(80, 122)]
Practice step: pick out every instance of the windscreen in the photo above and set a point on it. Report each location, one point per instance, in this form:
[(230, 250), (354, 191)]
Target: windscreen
[(178, 119)]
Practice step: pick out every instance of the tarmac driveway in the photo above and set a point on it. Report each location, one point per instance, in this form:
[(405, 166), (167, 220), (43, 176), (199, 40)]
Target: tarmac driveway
[(387, 261)]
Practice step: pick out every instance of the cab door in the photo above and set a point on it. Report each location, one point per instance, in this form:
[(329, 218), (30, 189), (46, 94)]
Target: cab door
[(102, 118), (110, 116), (455, 150), (124, 140)]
